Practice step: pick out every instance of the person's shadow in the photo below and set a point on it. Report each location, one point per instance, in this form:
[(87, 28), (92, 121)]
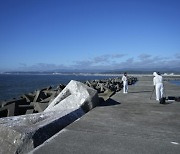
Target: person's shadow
[(167, 103)]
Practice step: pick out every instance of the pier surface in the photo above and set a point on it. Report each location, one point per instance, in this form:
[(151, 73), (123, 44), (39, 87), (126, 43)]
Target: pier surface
[(126, 123)]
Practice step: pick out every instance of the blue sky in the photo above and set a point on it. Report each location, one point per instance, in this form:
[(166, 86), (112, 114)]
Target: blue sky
[(40, 35)]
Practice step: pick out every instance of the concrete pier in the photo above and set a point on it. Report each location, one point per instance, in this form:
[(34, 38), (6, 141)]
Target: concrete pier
[(125, 123)]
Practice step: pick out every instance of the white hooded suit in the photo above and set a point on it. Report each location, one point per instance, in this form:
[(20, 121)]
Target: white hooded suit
[(158, 83), (125, 84)]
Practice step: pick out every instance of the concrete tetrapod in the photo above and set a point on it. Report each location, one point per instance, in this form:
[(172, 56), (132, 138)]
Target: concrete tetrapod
[(73, 96), (21, 134)]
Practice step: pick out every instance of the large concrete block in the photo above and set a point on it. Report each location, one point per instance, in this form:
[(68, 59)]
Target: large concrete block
[(74, 96), (21, 134)]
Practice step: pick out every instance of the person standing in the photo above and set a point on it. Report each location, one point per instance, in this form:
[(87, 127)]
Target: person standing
[(125, 83), (158, 83)]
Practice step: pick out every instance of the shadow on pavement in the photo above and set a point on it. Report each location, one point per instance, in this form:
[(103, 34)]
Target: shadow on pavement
[(109, 102), (167, 103), (145, 91)]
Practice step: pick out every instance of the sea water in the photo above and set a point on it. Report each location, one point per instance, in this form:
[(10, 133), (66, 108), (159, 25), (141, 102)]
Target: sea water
[(14, 86), (176, 82)]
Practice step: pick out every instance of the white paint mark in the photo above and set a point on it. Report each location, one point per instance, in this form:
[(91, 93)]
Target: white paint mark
[(174, 143)]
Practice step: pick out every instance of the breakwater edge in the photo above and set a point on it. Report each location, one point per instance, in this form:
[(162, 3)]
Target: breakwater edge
[(14, 85), (28, 117), (35, 122)]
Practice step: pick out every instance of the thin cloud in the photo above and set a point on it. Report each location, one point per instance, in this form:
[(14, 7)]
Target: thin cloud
[(177, 55), (144, 56), (99, 60), (22, 64), (81, 64), (117, 55), (110, 62), (41, 67)]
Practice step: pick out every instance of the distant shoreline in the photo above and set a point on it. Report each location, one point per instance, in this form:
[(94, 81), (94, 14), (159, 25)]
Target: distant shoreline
[(86, 74)]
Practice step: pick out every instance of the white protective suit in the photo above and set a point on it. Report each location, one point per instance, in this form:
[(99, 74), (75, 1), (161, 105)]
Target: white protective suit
[(158, 83), (125, 84)]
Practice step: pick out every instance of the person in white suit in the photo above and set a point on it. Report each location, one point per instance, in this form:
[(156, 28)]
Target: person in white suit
[(125, 83), (158, 83)]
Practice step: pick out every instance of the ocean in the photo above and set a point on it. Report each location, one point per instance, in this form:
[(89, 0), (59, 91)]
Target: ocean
[(176, 82), (14, 86)]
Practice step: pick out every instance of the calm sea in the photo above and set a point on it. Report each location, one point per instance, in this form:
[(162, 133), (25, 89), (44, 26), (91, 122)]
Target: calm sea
[(13, 86), (176, 82)]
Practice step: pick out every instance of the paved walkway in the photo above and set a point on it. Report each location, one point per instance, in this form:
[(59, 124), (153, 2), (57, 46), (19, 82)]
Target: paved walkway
[(125, 124)]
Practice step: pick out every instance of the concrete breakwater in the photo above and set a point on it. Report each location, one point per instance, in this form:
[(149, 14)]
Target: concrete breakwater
[(37, 101), (125, 123), (49, 110)]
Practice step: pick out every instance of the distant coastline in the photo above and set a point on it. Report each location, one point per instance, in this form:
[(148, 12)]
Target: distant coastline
[(86, 74)]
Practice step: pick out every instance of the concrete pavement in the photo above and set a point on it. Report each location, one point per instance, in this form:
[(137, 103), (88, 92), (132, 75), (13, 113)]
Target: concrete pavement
[(126, 123)]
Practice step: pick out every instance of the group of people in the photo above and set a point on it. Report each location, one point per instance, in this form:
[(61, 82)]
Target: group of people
[(157, 82)]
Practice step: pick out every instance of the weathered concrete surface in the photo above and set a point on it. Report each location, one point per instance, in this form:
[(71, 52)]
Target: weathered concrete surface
[(74, 96), (20, 134), (126, 123)]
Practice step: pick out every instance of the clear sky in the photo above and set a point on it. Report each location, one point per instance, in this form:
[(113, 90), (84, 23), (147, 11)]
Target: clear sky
[(40, 35)]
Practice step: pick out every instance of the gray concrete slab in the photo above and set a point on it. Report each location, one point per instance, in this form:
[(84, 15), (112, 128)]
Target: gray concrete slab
[(126, 123)]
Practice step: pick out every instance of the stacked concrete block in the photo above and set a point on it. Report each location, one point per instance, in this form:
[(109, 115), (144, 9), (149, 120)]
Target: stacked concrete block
[(21, 134), (30, 103), (107, 87), (39, 100)]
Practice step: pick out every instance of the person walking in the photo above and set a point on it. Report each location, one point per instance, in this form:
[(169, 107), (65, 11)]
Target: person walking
[(158, 83), (125, 83)]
